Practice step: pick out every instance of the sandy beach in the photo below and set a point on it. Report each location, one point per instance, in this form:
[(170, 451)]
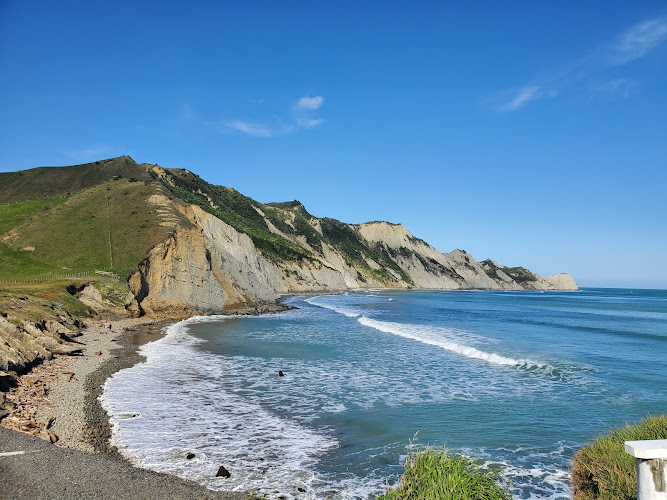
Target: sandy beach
[(57, 403)]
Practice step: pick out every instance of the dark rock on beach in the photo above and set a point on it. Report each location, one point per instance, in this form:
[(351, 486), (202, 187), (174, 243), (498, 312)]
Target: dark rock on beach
[(33, 468), (222, 472)]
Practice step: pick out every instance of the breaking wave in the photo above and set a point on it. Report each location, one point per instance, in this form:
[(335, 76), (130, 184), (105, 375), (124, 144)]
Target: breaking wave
[(432, 336)]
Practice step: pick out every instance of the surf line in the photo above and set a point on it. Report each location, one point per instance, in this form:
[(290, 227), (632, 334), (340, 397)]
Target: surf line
[(412, 332)]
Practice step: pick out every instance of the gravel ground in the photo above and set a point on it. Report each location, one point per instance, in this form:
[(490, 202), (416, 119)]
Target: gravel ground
[(82, 464), (34, 469), (75, 421)]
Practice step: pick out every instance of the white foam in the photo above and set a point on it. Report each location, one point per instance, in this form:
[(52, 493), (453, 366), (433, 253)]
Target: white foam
[(535, 476), (184, 404), (346, 311), (433, 337), (235, 411)]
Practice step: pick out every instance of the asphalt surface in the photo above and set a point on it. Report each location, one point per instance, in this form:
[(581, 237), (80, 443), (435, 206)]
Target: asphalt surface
[(34, 469)]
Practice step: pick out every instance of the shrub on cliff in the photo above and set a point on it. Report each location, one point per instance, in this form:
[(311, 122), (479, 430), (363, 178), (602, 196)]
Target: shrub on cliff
[(602, 470), (431, 475)]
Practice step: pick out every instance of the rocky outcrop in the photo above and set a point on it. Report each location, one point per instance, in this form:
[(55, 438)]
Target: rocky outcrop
[(522, 279), (92, 298), (25, 344), (211, 267)]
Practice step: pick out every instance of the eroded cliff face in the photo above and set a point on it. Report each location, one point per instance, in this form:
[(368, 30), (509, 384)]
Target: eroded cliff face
[(211, 267), (208, 268), (24, 344)]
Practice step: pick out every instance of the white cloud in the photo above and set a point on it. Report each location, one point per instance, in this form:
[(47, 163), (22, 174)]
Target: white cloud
[(259, 130), (637, 41), (302, 117), (523, 97), (310, 102), (309, 123)]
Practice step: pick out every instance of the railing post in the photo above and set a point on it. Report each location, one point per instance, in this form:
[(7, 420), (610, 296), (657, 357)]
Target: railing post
[(651, 459)]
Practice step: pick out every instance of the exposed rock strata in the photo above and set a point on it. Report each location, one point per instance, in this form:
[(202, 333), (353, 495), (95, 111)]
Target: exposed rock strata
[(213, 268), (29, 343)]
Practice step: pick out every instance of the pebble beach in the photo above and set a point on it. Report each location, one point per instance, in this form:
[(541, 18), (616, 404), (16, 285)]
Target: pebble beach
[(55, 442)]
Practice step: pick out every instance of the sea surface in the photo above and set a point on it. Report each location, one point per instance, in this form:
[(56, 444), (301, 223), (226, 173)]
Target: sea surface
[(518, 379)]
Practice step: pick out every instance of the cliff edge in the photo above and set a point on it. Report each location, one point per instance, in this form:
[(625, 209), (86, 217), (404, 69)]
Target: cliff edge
[(184, 246)]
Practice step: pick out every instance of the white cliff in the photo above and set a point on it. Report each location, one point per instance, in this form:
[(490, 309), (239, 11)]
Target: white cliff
[(211, 267)]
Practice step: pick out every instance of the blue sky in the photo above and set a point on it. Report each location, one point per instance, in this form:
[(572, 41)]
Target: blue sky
[(533, 133)]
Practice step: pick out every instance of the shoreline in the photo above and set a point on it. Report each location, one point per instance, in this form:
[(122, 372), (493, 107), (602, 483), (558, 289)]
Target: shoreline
[(60, 399)]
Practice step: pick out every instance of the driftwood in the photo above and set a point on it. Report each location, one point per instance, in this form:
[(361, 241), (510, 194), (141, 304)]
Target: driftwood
[(31, 393)]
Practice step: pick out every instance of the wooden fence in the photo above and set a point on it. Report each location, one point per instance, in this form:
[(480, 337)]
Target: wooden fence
[(61, 276)]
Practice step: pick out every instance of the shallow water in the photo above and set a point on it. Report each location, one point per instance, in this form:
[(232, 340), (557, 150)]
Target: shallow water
[(519, 379)]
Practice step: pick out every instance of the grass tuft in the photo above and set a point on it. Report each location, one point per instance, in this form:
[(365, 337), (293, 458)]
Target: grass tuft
[(437, 474), (603, 470)]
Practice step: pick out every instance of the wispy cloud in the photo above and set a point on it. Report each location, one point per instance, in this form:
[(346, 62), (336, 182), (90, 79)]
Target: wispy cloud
[(637, 41), (309, 122), (523, 97), (634, 43), (302, 117), (310, 102), (619, 87), (259, 130)]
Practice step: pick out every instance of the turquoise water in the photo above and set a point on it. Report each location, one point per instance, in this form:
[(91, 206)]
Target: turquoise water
[(519, 379)]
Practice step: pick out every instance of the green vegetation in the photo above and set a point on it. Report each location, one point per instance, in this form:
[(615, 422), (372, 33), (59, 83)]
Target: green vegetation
[(351, 245), (233, 208), (439, 475), (519, 274), (603, 470), (295, 206), (15, 214), (299, 224), (16, 264), (111, 221), (113, 290), (45, 182), (40, 302)]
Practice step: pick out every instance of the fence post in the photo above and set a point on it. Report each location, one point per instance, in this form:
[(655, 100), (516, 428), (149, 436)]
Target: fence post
[(651, 459)]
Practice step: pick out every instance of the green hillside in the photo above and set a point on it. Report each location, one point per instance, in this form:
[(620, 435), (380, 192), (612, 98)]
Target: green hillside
[(44, 182), (99, 216), (15, 214), (108, 226)]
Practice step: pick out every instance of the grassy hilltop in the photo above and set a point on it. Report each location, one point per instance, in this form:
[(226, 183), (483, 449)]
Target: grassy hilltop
[(77, 219), (99, 216)]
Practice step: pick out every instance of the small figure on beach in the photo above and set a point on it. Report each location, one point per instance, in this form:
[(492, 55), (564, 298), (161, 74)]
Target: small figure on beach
[(107, 327)]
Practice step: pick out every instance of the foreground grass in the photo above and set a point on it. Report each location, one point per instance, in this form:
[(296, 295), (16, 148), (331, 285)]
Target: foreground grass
[(432, 474), (602, 470)]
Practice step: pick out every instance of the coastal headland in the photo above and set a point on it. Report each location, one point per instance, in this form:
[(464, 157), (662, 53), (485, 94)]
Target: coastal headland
[(136, 245)]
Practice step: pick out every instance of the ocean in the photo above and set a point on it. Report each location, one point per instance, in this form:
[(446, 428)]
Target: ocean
[(518, 379)]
